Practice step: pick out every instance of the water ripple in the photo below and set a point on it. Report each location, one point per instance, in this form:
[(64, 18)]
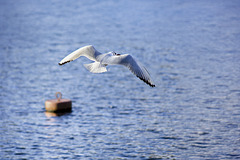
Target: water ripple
[(190, 49)]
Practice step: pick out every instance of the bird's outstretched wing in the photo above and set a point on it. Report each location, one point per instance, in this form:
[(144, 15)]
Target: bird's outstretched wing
[(129, 62), (87, 51)]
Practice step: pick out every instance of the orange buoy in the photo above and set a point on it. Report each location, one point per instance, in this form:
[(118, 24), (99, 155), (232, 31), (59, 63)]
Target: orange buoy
[(59, 104)]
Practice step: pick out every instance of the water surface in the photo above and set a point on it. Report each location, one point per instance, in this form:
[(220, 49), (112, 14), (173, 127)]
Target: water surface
[(190, 48)]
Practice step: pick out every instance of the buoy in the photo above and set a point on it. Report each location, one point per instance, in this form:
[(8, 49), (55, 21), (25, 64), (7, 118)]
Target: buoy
[(58, 104)]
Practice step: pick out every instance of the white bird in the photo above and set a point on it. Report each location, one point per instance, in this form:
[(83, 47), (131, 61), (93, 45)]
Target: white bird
[(110, 58)]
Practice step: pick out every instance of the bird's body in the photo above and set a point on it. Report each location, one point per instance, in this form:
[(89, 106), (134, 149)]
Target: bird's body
[(110, 58)]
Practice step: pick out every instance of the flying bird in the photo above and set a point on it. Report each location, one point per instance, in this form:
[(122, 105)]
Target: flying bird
[(102, 60)]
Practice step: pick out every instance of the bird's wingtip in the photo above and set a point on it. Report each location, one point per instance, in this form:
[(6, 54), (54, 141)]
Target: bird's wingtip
[(147, 82), (153, 85), (62, 63)]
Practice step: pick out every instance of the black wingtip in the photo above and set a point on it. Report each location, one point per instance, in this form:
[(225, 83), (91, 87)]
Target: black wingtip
[(63, 63), (147, 82), (152, 85)]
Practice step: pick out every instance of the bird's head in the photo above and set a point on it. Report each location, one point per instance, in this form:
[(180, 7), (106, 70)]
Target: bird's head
[(115, 54)]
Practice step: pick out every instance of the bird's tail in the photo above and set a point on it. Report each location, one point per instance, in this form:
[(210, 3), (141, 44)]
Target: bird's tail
[(96, 67)]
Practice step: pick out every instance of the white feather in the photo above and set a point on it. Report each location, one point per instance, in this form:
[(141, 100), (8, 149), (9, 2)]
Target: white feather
[(96, 67)]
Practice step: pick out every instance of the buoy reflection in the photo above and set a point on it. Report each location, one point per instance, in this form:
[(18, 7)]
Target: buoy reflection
[(55, 114)]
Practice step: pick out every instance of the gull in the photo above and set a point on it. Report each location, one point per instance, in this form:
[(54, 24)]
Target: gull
[(102, 60)]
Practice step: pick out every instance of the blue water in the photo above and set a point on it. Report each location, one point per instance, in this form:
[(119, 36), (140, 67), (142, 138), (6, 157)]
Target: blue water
[(190, 48)]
